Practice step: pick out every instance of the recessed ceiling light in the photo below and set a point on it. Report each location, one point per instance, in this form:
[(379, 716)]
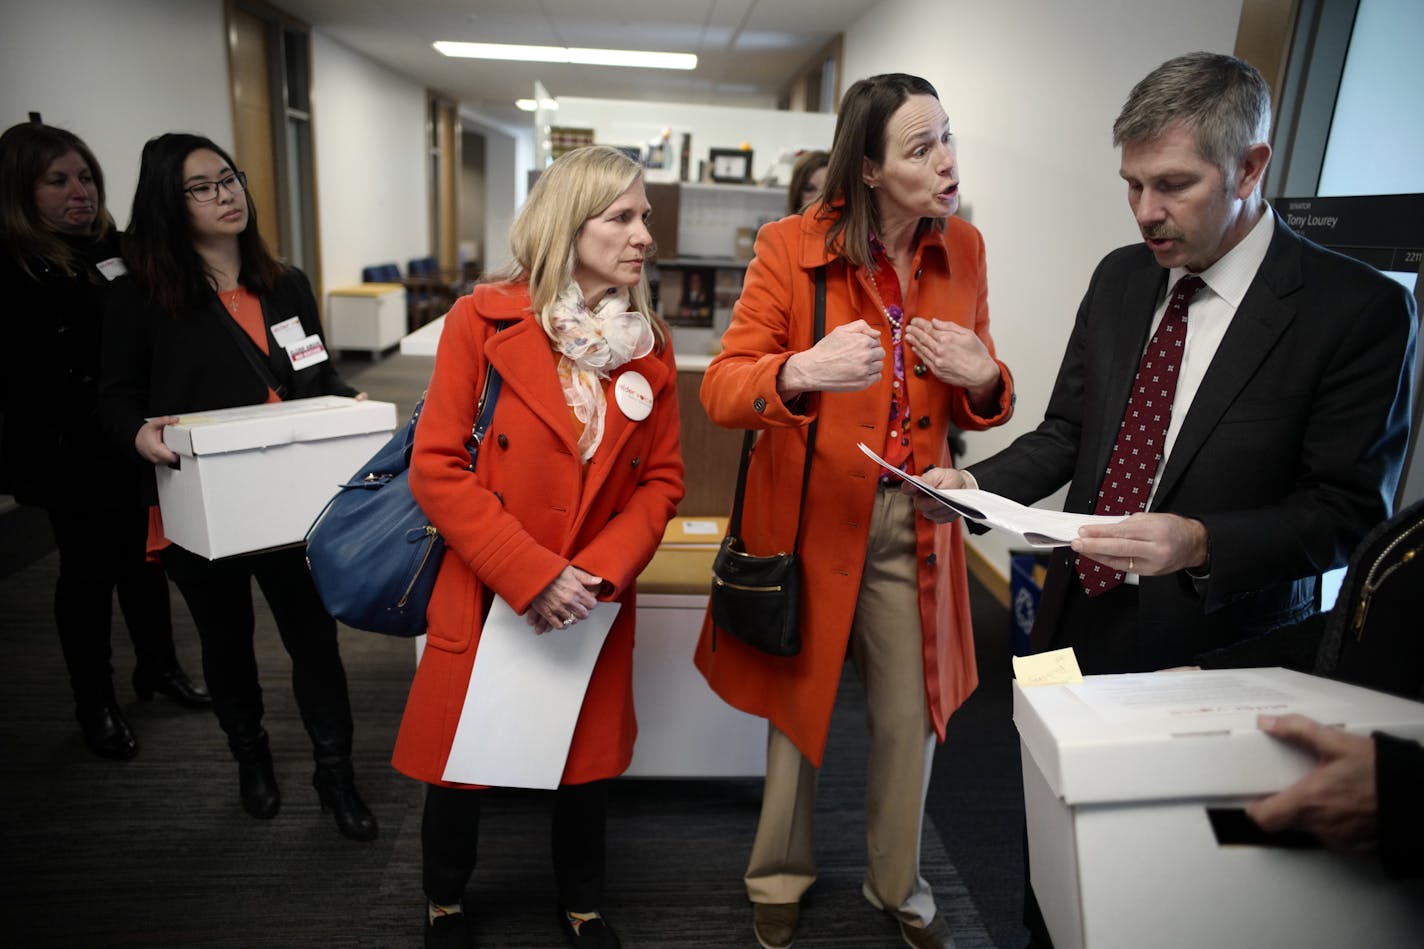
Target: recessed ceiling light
[(529, 105), (561, 54)]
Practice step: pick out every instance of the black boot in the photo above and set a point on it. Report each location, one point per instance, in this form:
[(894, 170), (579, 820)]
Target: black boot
[(106, 732), (175, 684), (256, 782), (335, 784)]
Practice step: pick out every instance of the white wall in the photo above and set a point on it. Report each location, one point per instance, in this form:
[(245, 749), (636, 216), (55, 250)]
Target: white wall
[(768, 131), (117, 74), (370, 155), (1032, 89), (509, 154)]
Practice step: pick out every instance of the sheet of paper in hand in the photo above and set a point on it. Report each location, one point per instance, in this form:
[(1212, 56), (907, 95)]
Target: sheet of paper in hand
[(1037, 527)]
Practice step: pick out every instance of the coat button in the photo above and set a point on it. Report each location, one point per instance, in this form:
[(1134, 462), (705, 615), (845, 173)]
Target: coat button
[(920, 369), (760, 404), (502, 441), (636, 461), (923, 421), (932, 559)]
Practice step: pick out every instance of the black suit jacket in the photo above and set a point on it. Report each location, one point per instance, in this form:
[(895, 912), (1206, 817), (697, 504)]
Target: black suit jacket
[(1289, 453)]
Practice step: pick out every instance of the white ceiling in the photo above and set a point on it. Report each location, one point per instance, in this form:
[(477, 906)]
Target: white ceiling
[(748, 50)]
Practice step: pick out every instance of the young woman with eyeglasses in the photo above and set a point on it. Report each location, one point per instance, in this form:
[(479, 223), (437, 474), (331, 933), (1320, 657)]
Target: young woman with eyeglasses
[(59, 254), (197, 261)]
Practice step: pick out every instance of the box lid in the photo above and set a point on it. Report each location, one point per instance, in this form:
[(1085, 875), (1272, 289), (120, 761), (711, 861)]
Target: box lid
[(1162, 735), (277, 423)]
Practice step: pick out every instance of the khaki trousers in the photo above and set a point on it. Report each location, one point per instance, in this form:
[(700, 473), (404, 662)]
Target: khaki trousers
[(885, 643)]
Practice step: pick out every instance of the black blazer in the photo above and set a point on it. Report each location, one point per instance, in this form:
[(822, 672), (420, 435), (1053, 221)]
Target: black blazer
[(155, 363), (51, 449), (1289, 454)]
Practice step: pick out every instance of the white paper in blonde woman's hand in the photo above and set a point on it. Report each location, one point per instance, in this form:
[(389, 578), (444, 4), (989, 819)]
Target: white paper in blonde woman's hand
[(524, 698)]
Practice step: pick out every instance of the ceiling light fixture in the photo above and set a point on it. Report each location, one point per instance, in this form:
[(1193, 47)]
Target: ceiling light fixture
[(529, 105), (561, 54)]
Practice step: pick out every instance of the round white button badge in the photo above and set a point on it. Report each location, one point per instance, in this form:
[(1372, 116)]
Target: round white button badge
[(634, 395)]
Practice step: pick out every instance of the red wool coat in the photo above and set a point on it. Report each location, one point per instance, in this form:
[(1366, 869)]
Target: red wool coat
[(529, 510), (772, 321)]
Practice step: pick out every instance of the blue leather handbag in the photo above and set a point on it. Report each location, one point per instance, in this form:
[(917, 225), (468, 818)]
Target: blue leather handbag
[(372, 552)]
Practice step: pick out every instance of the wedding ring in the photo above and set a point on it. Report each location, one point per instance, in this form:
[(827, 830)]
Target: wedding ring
[(568, 621), (1129, 566)]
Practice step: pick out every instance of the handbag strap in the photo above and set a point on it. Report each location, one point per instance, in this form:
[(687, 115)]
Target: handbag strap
[(251, 351), (734, 526), (489, 394)]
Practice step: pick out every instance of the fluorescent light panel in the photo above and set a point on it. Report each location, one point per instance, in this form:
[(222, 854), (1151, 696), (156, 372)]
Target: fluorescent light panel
[(560, 54)]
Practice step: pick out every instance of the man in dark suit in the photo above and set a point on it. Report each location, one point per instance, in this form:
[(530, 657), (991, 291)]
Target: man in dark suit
[(1281, 441), (1286, 433)]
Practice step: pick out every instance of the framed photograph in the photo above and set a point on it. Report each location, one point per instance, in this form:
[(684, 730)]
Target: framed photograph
[(686, 295), (731, 165)]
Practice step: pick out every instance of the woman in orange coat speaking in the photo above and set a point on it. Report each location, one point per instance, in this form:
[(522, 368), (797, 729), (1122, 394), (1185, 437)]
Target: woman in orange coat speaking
[(578, 474), (906, 352)]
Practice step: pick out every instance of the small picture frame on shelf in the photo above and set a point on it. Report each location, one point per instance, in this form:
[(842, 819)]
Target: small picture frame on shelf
[(687, 295), (731, 165)]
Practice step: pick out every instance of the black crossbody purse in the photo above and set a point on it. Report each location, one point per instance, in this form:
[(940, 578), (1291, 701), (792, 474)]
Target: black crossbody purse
[(758, 599)]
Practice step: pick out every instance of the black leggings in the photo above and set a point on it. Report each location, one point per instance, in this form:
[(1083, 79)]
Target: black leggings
[(450, 836), (100, 549), (219, 595)]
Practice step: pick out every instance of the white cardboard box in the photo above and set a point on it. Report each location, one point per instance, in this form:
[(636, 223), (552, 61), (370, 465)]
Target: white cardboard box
[(1119, 773), (368, 316), (256, 476), (685, 730)]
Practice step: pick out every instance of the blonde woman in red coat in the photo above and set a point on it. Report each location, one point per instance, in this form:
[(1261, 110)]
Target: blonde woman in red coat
[(906, 352), (574, 485)]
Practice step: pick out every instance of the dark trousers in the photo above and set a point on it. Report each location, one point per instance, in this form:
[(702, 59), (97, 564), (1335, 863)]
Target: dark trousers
[(219, 595), (450, 836), (101, 548)]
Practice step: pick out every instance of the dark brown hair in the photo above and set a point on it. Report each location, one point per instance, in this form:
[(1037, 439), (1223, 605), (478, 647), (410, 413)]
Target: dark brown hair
[(860, 134), (158, 246), (26, 151), (806, 166)]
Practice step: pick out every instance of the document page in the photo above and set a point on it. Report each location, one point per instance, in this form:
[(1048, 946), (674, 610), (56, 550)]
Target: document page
[(523, 700), (1037, 527), (1207, 698)]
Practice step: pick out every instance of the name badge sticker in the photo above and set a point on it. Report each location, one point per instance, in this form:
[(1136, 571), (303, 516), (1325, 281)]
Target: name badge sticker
[(634, 395), (288, 332), (113, 268), (307, 352)]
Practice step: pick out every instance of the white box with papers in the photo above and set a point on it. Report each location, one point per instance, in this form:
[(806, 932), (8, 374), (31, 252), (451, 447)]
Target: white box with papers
[(256, 476), (1120, 773)]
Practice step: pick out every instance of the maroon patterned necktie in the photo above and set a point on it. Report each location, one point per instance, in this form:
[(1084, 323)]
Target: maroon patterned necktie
[(1137, 453)]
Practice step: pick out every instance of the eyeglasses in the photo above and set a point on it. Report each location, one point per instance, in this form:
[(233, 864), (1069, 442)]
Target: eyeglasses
[(234, 184)]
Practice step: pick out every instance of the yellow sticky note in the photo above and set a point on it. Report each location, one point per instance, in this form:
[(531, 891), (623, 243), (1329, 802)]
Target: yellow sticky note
[(1057, 667)]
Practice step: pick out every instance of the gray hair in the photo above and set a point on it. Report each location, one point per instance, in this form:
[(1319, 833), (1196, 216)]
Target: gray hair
[(1223, 100)]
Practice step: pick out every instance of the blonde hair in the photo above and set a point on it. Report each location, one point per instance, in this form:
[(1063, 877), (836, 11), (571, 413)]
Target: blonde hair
[(578, 185)]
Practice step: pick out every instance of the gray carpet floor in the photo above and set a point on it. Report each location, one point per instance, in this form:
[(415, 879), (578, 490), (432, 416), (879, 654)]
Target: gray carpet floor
[(157, 851)]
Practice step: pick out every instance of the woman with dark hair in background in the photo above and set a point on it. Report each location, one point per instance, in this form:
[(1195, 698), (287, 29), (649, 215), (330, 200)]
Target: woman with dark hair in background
[(906, 351), (808, 177), (197, 260), (60, 253)]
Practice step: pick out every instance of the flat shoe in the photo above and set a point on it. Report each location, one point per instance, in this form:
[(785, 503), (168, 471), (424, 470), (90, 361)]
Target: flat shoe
[(589, 933), (447, 932), (774, 924)]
